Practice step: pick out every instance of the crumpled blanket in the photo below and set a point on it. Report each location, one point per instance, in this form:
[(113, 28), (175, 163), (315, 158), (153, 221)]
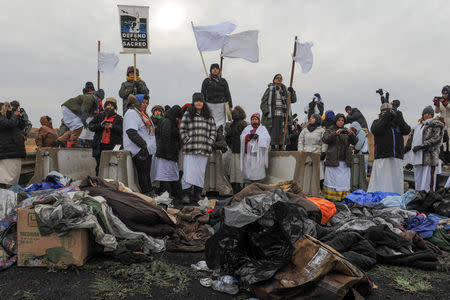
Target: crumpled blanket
[(191, 232), (361, 197), (441, 238), (422, 225), (399, 201), (54, 180)]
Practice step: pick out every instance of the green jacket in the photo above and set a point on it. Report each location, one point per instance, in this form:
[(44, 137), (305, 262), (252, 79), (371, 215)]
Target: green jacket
[(82, 105), (127, 88), (266, 120)]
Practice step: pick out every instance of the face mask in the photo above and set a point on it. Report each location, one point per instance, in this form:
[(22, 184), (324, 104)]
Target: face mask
[(158, 117)]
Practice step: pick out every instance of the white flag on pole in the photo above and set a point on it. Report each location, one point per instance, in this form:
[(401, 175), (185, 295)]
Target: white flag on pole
[(304, 56), (242, 45), (107, 62), (212, 37)]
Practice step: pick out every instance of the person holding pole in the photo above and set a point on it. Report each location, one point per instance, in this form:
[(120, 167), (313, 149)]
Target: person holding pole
[(216, 92), (134, 85), (274, 104)]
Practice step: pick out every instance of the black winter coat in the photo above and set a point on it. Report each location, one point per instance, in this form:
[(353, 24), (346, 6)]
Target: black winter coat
[(357, 116), (216, 90), (311, 106), (168, 138), (388, 132), (233, 135), (12, 142), (116, 132)]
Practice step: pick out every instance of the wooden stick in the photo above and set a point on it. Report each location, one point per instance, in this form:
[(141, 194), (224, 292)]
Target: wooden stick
[(98, 72), (201, 54), (289, 94), (134, 58), (221, 64)]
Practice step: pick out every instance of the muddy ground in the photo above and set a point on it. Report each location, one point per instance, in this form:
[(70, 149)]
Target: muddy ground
[(169, 276)]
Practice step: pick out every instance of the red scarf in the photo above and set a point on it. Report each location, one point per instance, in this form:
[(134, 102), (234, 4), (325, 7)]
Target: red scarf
[(106, 135)]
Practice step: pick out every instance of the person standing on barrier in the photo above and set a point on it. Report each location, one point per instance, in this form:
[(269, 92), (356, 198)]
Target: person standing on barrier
[(336, 185), (108, 130), (198, 134), (427, 138), (310, 140), (273, 106), (139, 139), (387, 169), (47, 135), (75, 112), (132, 86), (12, 145), (255, 143), (233, 139), (168, 146)]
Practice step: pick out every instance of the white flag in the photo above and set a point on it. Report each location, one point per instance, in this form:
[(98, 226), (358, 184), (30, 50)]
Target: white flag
[(212, 37), (242, 45), (304, 56), (107, 62)]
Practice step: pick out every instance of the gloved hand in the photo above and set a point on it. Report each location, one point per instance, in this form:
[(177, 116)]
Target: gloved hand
[(254, 137), (250, 136), (291, 90), (323, 155), (417, 148)]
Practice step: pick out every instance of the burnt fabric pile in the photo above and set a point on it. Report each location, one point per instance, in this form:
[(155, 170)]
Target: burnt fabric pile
[(136, 213), (191, 232), (257, 236), (378, 244)]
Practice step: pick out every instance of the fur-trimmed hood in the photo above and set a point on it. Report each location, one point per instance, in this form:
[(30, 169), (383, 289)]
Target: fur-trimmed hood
[(238, 113)]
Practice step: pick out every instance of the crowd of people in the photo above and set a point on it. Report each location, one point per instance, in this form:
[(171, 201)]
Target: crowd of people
[(172, 145)]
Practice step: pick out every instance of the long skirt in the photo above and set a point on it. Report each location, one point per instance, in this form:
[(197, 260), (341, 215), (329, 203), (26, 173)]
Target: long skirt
[(425, 177), (236, 175), (194, 167), (10, 170), (165, 170), (218, 113), (386, 176), (336, 185), (276, 132)]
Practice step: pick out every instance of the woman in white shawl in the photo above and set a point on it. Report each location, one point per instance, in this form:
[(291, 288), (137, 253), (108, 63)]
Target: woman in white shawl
[(255, 143)]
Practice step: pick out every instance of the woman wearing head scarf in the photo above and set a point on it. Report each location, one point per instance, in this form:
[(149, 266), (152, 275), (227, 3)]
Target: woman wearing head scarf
[(273, 106), (198, 134), (310, 140), (336, 185)]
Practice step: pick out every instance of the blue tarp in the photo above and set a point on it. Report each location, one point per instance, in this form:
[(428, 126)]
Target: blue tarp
[(422, 225), (399, 201), (54, 180), (363, 198)]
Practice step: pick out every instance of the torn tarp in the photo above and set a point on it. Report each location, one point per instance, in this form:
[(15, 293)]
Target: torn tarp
[(54, 180), (257, 236)]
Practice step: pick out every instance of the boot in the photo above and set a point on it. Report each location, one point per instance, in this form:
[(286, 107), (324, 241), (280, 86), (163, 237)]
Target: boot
[(175, 191), (197, 193), (186, 198)]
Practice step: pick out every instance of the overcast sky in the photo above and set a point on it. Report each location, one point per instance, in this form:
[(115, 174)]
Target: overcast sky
[(49, 50)]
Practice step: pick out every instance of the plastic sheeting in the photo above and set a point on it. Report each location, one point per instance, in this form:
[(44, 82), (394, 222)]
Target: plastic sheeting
[(257, 236), (361, 197), (54, 180), (399, 201), (8, 201)]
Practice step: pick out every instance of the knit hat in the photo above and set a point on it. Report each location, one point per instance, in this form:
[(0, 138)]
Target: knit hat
[(428, 110), (166, 108), (111, 101), (276, 76), (256, 115), (157, 107), (385, 106), (336, 118), (198, 97), (317, 95), (446, 89), (140, 97), (216, 66), (130, 69), (100, 93), (329, 115), (132, 100), (15, 104), (347, 108), (318, 118), (396, 103)]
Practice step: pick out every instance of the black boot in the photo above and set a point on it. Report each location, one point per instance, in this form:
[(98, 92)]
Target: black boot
[(186, 198), (197, 193)]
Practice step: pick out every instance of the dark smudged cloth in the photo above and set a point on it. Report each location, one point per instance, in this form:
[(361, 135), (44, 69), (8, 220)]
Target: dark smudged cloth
[(136, 213)]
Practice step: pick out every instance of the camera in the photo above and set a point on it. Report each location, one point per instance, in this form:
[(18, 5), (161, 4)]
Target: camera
[(384, 96), (344, 132), (380, 92)]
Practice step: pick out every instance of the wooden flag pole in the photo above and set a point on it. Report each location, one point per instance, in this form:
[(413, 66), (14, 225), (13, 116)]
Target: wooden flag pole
[(289, 94), (201, 54), (98, 72), (221, 64)]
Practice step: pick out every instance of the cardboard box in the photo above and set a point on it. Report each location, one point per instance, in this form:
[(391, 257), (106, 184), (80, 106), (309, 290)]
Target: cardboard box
[(35, 250)]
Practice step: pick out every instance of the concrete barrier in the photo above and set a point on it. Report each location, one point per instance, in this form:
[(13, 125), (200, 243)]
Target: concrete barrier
[(300, 167), (118, 165), (76, 163)]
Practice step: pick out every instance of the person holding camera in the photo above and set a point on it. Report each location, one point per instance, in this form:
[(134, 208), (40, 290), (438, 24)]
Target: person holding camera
[(354, 115), (12, 144), (441, 106), (387, 169), (316, 106), (336, 185), (132, 86), (107, 128)]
